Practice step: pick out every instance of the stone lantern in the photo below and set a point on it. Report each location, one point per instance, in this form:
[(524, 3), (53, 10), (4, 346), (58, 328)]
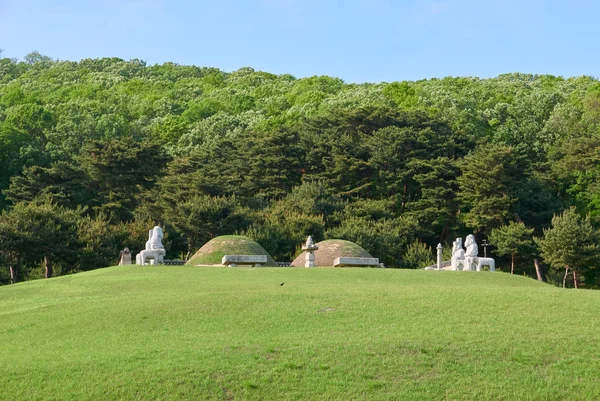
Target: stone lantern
[(309, 247)]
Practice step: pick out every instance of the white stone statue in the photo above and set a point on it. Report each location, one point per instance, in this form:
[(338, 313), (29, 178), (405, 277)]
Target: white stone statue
[(472, 261), (467, 259), (471, 252), (458, 255), (155, 251), (471, 246)]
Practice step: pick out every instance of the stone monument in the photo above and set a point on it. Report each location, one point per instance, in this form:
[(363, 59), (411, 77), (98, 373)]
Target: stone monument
[(155, 251), (439, 257), (468, 260), (310, 247), (125, 257)]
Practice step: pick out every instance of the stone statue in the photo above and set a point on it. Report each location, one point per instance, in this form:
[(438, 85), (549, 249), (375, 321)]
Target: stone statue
[(471, 246), (472, 261), (155, 251), (458, 255)]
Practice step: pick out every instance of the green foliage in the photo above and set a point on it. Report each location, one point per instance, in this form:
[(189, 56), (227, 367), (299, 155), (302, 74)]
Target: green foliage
[(102, 242), (490, 179), (13, 243), (282, 233), (132, 142), (417, 256), (571, 243), (273, 164), (386, 239), (61, 183), (512, 240), (118, 170), (436, 207), (203, 217), (403, 94), (47, 231), (578, 173), (313, 198)]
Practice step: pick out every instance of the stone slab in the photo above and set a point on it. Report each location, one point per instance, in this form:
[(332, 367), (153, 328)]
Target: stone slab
[(348, 261), (232, 260)]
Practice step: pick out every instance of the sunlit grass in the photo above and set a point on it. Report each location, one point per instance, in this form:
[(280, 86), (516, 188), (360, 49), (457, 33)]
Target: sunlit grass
[(214, 333)]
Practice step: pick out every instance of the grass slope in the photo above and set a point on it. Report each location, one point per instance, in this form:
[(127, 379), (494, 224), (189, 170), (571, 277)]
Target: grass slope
[(161, 332), (213, 251)]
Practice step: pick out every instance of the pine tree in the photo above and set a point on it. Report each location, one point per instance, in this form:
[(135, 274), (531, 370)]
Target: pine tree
[(49, 232), (512, 239), (417, 256), (489, 184), (572, 243)]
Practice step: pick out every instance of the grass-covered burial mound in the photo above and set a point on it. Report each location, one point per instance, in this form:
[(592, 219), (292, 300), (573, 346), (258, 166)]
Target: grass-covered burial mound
[(213, 251), (331, 249)]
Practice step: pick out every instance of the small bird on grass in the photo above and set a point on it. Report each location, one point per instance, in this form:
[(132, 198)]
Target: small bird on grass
[(282, 284)]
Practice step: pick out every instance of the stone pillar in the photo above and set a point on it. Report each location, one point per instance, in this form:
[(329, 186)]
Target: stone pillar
[(310, 259), (439, 257), (309, 247)]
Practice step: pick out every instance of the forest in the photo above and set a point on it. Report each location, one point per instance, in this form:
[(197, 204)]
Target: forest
[(96, 152)]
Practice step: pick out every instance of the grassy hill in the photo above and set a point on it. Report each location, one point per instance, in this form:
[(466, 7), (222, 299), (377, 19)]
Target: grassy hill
[(215, 333)]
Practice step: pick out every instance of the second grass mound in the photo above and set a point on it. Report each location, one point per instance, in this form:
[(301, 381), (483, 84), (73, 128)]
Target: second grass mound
[(213, 251)]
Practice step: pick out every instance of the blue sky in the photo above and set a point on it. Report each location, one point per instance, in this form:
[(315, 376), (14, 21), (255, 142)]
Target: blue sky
[(356, 40)]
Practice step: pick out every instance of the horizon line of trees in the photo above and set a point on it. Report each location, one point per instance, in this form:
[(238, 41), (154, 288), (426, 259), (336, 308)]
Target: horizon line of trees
[(95, 152)]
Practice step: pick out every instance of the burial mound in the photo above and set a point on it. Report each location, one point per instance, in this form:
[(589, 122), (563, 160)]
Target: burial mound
[(331, 249), (213, 251)]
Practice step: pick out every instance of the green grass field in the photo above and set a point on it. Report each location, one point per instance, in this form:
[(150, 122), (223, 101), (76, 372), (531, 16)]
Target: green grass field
[(154, 333)]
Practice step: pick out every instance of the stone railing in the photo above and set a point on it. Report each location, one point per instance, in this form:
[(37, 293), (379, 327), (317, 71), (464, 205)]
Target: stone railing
[(175, 262)]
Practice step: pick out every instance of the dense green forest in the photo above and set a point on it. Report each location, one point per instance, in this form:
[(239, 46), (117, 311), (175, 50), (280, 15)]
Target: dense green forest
[(94, 153)]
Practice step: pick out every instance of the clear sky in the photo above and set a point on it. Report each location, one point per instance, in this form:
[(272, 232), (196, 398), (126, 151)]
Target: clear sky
[(356, 40)]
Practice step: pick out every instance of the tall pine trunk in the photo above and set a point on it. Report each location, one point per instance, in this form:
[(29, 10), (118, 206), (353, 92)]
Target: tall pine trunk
[(13, 274), (538, 270), (512, 264), (48, 264), (575, 278), (565, 277), (188, 255)]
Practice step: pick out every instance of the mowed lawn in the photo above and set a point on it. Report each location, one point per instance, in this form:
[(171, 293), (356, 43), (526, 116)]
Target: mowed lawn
[(170, 332)]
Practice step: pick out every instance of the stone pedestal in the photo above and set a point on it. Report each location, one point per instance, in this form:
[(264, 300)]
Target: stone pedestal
[(439, 257)]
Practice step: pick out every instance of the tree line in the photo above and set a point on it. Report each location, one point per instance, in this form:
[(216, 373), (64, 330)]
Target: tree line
[(96, 152)]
